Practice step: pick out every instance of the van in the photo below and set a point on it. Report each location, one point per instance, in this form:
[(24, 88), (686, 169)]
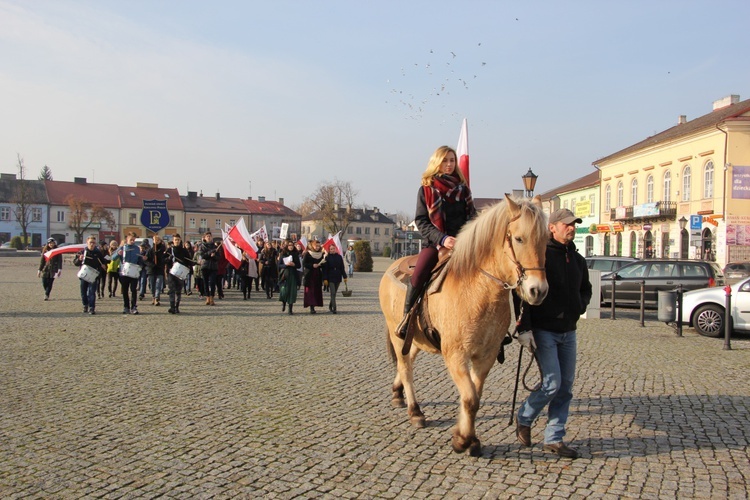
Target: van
[(139, 241)]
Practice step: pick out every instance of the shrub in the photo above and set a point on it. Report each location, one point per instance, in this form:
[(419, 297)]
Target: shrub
[(386, 251), (17, 242), (364, 256)]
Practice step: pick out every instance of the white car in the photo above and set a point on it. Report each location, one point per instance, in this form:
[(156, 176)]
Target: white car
[(704, 309)]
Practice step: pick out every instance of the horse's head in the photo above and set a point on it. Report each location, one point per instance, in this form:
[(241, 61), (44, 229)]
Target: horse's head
[(525, 247)]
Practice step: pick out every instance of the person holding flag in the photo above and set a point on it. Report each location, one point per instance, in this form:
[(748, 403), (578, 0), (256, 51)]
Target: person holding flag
[(49, 268), (444, 205), (312, 276), (209, 253)]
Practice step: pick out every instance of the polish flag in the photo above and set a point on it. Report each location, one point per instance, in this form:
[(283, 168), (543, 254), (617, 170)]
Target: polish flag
[(303, 241), (462, 150), (243, 239), (61, 250), (231, 252), (336, 240)]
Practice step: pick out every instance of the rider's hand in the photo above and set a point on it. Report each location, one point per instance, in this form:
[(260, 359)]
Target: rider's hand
[(449, 242), (526, 339)]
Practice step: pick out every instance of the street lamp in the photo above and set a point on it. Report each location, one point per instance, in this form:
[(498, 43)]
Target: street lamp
[(529, 181), (683, 222), (683, 247)]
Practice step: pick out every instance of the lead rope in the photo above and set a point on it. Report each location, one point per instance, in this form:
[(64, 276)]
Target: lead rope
[(531, 361)]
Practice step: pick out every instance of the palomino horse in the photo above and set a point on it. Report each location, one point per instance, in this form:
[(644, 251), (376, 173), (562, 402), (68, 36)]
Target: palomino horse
[(502, 249)]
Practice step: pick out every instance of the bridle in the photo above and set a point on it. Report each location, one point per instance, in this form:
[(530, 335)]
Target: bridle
[(520, 270)]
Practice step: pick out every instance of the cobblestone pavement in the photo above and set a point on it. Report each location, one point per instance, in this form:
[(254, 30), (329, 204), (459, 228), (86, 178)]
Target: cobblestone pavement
[(240, 400)]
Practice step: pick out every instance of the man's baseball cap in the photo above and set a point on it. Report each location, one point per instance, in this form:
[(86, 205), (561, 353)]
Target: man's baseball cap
[(564, 215)]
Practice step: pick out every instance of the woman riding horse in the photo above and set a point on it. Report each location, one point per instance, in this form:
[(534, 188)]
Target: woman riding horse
[(444, 205)]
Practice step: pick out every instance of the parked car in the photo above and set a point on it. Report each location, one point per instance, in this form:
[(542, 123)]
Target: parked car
[(6, 245), (704, 309), (607, 264), (736, 271), (659, 274)]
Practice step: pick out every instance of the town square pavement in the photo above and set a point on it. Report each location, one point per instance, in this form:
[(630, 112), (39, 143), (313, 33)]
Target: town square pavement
[(242, 401)]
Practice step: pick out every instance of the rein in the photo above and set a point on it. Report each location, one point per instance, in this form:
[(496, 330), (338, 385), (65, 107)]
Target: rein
[(520, 270)]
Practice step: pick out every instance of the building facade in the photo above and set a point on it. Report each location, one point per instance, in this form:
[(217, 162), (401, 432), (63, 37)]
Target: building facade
[(363, 224), (33, 198), (684, 192)]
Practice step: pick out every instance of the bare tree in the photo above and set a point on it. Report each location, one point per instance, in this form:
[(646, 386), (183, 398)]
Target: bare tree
[(333, 203), (84, 214), (45, 174), (22, 197)]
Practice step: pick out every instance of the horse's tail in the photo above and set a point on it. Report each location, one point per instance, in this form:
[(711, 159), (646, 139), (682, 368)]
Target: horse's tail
[(389, 346)]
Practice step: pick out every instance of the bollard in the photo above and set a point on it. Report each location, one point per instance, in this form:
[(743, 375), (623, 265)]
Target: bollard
[(612, 313), (679, 310), (643, 303), (728, 319)]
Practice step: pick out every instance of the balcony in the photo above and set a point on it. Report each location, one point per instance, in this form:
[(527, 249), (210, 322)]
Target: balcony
[(648, 212)]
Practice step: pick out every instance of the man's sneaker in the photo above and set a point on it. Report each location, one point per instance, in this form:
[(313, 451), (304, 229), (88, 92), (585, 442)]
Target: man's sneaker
[(125, 310), (561, 449), (85, 309), (156, 302), (523, 433), (134, 310), (92, 312), (171, 310)]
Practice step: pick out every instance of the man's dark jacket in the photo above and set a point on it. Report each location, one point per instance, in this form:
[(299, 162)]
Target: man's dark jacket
[(569, 291)]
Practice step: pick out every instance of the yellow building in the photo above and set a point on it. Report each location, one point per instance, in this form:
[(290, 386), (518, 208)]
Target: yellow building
[(684, 192)]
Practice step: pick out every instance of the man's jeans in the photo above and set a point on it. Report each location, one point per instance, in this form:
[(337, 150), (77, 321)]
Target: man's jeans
[(556, 353), (156, 283), (88, 293), (143, 282)]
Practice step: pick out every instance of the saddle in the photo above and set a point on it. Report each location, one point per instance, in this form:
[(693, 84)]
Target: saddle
[(419, 311)]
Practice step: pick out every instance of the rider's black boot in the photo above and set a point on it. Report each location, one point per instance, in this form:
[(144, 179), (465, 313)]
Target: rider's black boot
[(412, 294)]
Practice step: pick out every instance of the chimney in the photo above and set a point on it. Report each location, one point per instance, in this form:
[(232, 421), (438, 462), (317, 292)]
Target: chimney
[(218, 197), (201, 195), (249, 197), (726, 101), (192, 195), (79, 180), (262, 199), (281, 201), (682, 120), (9, 177), (375, 209)]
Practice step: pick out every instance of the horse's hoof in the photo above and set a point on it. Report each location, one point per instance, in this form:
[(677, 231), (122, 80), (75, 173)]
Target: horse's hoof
[(418, 421), (460, 444), (398, 403), (475, 450)]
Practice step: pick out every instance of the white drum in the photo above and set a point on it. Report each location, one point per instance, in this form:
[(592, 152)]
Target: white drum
[(130, 270), (88, 274), (179, 271)]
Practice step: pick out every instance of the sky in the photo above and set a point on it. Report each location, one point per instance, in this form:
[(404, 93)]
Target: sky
[(275, 98)]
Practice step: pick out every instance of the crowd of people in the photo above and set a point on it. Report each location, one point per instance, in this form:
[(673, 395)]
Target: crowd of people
[(177, 268)]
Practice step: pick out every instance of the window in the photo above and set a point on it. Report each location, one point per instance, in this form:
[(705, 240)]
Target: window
[(686, 183), (350, 230), (5, 213), (232, 222), (359, 230), (217, 223), (608, 198), (634, 192), (592, 203), (650, 189), (192, 222), (204, 223), (667, 186), (36, 215), (367, 230), (573, 205), (132, 218), (377, 246), (661, 270), (377, 231), (695, 270), (171, 221), (387, 231), (60, 216), (620, 194), (708, 180), (636, 271)]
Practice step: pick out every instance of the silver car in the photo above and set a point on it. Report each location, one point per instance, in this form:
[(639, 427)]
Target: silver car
[(703, 309)]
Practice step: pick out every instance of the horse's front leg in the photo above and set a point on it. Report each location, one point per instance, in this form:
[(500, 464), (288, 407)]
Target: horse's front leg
[(404, 384), (464, 433)]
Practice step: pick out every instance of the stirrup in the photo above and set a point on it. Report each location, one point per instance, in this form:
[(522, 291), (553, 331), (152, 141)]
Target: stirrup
[(403, 327)]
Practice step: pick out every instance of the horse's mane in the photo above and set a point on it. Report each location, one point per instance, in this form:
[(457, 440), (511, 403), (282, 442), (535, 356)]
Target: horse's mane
[(480, 238)]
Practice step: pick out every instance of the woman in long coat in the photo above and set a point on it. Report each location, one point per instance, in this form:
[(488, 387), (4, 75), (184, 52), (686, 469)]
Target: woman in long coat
[(288, 264), (312, 278)]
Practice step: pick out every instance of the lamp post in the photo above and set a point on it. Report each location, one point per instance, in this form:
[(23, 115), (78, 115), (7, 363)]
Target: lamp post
[(529, 181), (683, 224)]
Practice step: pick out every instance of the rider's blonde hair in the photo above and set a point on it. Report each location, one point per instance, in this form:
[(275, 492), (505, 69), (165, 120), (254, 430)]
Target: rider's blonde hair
[(433, 167)]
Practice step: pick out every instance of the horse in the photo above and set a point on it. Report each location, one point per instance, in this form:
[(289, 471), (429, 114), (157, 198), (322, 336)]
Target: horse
[(502, 249)]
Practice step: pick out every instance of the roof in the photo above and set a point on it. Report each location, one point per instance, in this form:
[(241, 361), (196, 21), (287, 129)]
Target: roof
[(132, 197), (704, 122), (588, 180), (105, 195), (365, 216), (214, 204), (256, 207), (37, 193)]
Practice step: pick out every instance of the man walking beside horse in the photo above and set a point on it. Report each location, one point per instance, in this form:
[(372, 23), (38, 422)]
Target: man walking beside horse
[(548, 330)]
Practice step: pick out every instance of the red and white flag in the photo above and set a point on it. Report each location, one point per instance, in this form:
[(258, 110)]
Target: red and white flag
[(231, 252), (336, 241), (243, 239), (61, 250), (462, 150)]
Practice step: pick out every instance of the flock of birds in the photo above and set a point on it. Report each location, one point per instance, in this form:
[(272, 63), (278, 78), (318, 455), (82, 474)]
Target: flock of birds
[(430, 83)]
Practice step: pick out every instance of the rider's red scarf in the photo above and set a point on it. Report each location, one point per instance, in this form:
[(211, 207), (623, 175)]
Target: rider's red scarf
[(446, 189)]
